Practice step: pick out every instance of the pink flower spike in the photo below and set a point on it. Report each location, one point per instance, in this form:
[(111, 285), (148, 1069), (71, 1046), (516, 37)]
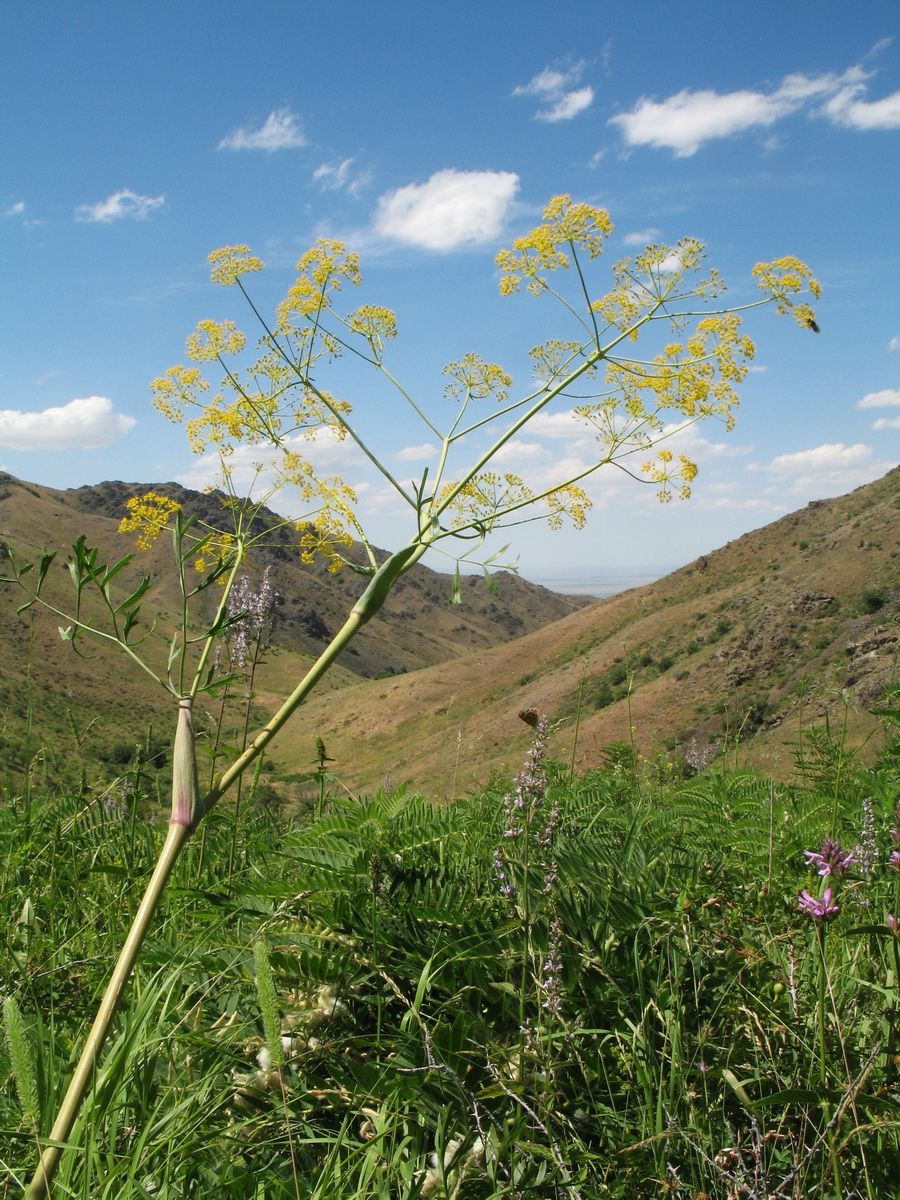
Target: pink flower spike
[(821, 909), (893, 923)]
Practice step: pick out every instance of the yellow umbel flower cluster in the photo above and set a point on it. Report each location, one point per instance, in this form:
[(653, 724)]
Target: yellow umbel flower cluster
[(148, 516), (787, 277), (230, 262), (320, 270), (472, 376), (565, 228), (214, 338), (665, 472)]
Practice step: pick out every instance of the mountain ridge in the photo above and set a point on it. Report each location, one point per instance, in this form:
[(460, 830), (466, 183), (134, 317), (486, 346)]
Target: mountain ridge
[(736, 648)]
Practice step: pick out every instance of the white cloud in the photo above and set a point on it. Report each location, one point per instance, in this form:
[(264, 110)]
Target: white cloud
[(887, 423), (331, 177), (15, 210), (643, 237), (88, 424), (846, 108), (555, 86), (687, 438), (886, 398), (556, 425), (894, 343), (569, 105), (451, 209), (416, 453), (685, 121), (326, 452), (831, 468), (120, 204), (519, 454), (280, 131)]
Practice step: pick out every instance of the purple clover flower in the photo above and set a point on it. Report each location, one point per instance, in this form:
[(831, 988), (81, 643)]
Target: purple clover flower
[(832, 859), (820, 909), (894, 860), (893, 923)]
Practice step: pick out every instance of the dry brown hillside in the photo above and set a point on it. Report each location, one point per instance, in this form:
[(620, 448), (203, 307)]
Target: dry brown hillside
[(779, 626), (101, 692)]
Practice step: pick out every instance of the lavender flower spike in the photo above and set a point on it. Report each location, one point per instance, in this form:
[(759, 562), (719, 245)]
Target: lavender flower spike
[(831, 859), (819, 910)]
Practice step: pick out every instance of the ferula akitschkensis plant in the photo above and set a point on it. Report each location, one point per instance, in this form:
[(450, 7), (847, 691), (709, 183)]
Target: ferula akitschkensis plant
[(628, 402)]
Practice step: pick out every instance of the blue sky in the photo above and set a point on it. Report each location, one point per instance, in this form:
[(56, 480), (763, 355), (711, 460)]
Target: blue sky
[(139, 137)]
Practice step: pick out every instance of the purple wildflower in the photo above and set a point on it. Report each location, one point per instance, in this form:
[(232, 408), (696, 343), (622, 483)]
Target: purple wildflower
[(522, 805), (551, 982), (893, 923), (867, 848), (832, 859), (894, 860), (506, 887), (821, 909), (251, 633)]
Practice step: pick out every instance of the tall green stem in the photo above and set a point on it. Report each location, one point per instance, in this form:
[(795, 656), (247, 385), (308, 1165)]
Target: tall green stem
[(188, 809), (87, 1063)]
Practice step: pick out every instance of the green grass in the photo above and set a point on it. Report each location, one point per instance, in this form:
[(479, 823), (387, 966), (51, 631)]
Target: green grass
[(352, 1006)]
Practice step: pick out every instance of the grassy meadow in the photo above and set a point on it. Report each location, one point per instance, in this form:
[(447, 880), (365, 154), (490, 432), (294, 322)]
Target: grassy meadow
[(554, 987)]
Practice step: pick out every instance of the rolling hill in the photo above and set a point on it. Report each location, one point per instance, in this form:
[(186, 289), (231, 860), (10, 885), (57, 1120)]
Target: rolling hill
[(68, 694), (796, 623)]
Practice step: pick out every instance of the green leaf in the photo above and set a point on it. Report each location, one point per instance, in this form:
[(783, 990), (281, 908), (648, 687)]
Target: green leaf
[(135, 596), (110, 572)]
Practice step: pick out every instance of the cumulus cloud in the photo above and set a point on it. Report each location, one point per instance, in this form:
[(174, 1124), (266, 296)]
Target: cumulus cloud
[(119, 205), (280, 131), (88, 424), (451, 209), (685, 121), (416, 453), (518, 454), (558, 425), (886, 423), (326, 452), (886, 398), (15, 210), (830, 468), (686, 438), (642, 237), (555, 88)]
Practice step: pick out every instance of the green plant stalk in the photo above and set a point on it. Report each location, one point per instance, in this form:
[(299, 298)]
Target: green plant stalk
[(175, 839), (188, 809), (823, 1065)]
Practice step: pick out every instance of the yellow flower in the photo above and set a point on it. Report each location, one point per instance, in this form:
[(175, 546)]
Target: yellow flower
[(148, 516), (565, 227), (230, 262), (177, 389), (214, 338), (663, 473), (472, 376), (784, 278)]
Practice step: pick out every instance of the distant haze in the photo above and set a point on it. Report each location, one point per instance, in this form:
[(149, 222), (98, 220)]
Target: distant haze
[(602, 583)]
